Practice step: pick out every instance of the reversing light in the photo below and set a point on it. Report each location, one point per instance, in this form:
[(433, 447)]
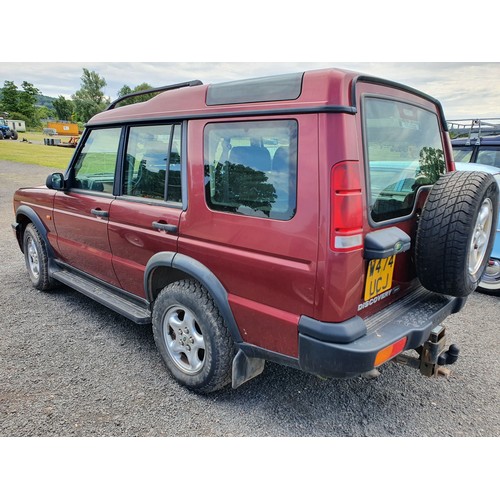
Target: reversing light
[(346, 218), (390, 351)]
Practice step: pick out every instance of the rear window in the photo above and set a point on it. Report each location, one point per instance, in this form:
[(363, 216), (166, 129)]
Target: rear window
[(462, 154), (404, 151)]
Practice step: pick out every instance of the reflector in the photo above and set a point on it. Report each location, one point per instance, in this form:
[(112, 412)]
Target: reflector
[(390, 351)]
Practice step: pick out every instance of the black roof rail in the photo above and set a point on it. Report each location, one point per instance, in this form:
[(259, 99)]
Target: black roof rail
[(192, 83)]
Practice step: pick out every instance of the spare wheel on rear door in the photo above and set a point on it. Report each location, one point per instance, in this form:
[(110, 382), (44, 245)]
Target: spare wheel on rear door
[(456, 232)]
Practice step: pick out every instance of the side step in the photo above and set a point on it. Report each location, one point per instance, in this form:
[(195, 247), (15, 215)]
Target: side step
[(131, 309)]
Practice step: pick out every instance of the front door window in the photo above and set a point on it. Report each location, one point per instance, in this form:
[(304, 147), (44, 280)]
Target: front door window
[(95, 166)]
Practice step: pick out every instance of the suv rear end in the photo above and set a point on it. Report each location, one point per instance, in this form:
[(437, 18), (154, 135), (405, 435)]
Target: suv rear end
[(306, 219), (378, 167)]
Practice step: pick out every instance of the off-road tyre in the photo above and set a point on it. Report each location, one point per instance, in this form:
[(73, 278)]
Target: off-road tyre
[(13, 135), (450, 254), (186, 317), (36, 258)]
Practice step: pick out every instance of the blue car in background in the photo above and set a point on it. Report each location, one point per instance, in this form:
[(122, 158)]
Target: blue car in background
[(476, 146), (490, 282), (476, 141)]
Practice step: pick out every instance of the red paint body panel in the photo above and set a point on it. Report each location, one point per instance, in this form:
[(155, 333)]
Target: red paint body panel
[(134, 241), (82, 238)]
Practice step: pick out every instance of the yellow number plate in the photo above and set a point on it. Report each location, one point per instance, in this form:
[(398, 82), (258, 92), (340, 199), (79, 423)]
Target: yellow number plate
[(379, 276)]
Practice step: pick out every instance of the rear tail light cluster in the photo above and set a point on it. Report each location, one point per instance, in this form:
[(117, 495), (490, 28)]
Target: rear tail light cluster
[(346, 231)]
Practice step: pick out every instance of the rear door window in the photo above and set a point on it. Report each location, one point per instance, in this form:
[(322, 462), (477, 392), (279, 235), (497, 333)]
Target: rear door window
[(153, 163), (404, 152)]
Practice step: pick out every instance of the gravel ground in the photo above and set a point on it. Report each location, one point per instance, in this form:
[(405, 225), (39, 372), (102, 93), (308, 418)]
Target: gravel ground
[(70, 367)]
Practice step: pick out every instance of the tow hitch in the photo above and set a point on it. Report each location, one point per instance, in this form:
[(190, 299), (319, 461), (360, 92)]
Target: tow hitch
[(432, 355)]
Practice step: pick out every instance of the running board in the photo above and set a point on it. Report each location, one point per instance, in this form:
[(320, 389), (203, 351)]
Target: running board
[(127, 307)]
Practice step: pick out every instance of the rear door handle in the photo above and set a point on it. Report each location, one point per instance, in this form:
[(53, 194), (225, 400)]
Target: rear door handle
[(169, 228), (99, 213)]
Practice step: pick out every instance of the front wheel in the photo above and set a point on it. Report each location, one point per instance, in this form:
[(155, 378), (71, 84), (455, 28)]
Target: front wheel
[(36, 258), (192, 337)]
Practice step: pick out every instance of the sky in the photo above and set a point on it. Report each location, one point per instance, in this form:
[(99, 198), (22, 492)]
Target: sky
[(422, 47), (466, 89)]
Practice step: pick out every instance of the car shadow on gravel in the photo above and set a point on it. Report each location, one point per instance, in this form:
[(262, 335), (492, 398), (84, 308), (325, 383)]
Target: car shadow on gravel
[(395, 404)]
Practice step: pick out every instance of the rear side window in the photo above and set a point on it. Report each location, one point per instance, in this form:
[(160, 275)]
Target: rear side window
[(251, 168), (404, 149)]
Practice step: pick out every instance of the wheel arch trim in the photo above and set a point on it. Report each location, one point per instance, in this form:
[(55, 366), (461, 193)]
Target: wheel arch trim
[(39, 225), (199, 272)]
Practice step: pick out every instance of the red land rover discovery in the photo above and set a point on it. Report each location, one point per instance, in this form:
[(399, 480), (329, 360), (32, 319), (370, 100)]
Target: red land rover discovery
[(311, 219)]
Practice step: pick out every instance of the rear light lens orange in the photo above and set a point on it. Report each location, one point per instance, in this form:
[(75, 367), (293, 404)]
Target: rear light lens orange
[(390, 351), (346, 218)]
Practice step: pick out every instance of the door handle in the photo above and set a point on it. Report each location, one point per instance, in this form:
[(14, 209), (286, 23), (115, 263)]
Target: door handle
[(169, 228), (99, 213)]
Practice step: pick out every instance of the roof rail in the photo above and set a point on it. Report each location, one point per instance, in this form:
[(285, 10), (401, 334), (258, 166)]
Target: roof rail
[(192, 83), (475, 128)]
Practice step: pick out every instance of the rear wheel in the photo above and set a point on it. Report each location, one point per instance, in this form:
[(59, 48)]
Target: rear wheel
[(13, 135), (192, 337), (456, 232)]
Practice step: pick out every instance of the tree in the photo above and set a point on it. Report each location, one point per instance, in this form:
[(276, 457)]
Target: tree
[(139, 88), (432, 164), (26, 102), (90, 99), (9, 102), (125, 90), (43, 113), (64, 108)]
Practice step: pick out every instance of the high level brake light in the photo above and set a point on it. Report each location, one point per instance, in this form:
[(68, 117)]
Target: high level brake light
[(346, 232)]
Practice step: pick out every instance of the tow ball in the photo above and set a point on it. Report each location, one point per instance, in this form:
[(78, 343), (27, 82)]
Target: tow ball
[(433, 355)]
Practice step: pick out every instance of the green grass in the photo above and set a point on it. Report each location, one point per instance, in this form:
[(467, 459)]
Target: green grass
[(35, 152)]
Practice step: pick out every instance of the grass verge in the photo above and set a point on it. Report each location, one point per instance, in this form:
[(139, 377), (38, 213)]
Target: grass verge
[(35, 152)]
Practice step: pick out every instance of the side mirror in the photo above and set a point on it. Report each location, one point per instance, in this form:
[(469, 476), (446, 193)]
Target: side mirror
[(55, 181)]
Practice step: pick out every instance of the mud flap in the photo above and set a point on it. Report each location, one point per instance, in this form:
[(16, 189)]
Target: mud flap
[(245, 368)]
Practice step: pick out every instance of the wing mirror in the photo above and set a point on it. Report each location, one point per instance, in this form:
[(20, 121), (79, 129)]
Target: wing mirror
[(55, 181)]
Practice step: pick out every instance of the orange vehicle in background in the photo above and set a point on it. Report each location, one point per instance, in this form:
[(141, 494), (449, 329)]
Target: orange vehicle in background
[(64, 128)]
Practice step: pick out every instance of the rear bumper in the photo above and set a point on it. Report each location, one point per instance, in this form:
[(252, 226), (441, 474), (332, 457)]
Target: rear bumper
[(349, 349)]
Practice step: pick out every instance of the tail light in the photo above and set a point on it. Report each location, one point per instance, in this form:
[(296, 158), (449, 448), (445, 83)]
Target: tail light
[(346, 230)]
